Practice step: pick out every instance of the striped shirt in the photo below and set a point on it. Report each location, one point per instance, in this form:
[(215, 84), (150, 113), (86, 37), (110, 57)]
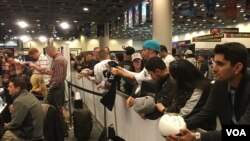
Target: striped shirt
[(59, 71), (43, 63)]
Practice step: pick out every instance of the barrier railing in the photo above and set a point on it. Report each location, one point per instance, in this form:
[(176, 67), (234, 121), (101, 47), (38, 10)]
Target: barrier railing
[(128, 124)]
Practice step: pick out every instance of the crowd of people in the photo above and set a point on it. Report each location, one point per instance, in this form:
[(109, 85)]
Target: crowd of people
[(193, 87), (28, 87), (179, 85)]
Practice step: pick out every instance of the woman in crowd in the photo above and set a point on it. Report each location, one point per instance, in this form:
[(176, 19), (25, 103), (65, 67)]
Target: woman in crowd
[(38, 87), (190, 91)]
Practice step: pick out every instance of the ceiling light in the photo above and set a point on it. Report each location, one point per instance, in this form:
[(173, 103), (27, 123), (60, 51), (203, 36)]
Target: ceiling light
[(75, 21), (188, 20), (64, 25), (241, 10), (57, 21), (202, 9), (238, 6), (10, 30), (2, 23), (38, 20), (195, 4), (85, 9), (22, 24), (180, 16), (217, 5), (42, 39), (24, 38)]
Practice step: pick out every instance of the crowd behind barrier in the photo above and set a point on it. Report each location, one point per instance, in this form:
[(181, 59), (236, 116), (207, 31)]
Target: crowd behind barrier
[(127, 123)]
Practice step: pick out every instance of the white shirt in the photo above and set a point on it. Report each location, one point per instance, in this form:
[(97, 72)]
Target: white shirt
[(169, 58), (98, 71), (43, 63), (142, 76)]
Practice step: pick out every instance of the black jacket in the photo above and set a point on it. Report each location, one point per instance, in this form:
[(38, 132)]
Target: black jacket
[(219, 104)]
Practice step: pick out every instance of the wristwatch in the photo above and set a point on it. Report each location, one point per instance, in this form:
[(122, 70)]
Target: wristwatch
[(197, 136)]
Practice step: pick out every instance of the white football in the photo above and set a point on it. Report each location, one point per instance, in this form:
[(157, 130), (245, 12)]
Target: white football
[(170, 124)]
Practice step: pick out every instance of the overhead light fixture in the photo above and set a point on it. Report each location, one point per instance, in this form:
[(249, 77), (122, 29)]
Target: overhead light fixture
[(85, 9), (22, 24), (24, 38), (42, 38), (75, 21), (64, 25)]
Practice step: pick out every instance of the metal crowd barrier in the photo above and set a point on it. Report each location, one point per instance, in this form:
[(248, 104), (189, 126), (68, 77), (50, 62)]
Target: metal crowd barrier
[(127, 123)]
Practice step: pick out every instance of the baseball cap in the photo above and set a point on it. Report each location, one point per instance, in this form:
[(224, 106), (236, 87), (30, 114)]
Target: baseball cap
[(144, 105), (129, 50), (188, 52), (136, 55), (152, 44), (171, 124)]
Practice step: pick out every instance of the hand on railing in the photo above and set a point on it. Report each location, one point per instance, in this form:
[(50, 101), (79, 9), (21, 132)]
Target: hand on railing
[(130, 101), (81, 75)]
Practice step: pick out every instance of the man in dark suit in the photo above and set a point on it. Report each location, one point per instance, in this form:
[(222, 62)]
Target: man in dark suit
[(229, 98)]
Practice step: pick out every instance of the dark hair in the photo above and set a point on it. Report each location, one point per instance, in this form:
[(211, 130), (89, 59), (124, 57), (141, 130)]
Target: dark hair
[(233, 52), (19, 82), (9, 53), (186, 74), (203, 55), (129, 50), (119, 56), (154, 63), (163, 48)]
